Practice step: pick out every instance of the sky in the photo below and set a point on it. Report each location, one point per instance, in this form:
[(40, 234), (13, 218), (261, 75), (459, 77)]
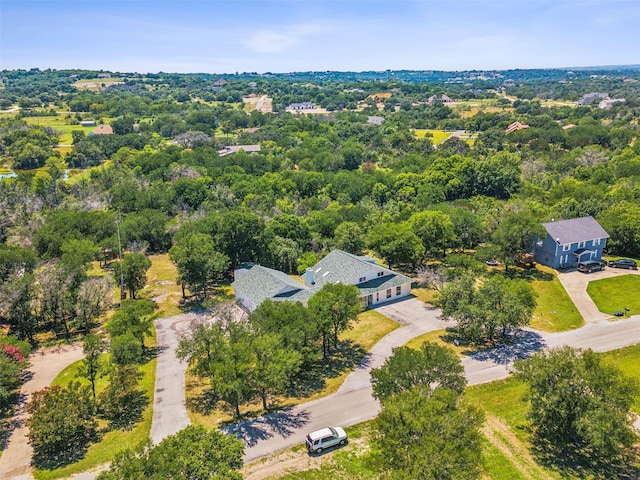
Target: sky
[(228, 36)]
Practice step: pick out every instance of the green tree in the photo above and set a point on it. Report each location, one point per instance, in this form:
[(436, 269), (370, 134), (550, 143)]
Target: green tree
[(14, 355), (435, 230), (134, 267), (134, 317), (579, 404), (62, 420), (224, 355), (430, 437), (199, 264), (333, 309), (493, 308), (121, 402), (349, 237), (94, 299), (92, 348), (432, 367), (194, 453), (396, 243), (275, 365), (517, 233), (125, 349)]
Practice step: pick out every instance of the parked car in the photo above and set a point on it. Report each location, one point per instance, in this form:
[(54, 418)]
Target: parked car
[(492, 263), (324, 438), (590, 266), (623, 263)]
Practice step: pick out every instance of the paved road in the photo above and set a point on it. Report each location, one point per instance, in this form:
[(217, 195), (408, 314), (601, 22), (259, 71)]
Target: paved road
[(575, 283), (169, 404), (353, 402), (46, 363)]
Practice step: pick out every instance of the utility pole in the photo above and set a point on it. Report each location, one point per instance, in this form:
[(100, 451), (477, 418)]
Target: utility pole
[(122, 293)]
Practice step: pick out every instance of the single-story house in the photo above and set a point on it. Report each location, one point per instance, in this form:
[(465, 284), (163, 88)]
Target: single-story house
[(102, 130), (220, 82), (515, 126), (439, 98), (588, 98), (88, 123), (571, 241), (236, 148), (374, 120), (254, 283), (296, 107)]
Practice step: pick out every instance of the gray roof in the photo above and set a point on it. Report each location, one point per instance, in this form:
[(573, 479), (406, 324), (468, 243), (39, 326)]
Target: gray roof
[(343, 267), (260, 283), (575, 230)]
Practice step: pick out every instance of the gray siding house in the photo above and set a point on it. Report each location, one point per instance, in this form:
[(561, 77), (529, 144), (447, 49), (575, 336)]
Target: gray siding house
[(571, 241), (254, 283)]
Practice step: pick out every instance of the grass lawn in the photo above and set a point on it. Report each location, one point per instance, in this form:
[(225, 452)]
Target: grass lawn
[(616, 293), (555, 312), (368, 330), (60, 123), (161, 285), (112, 441), (425, 294), (438, 337), (437, 136)]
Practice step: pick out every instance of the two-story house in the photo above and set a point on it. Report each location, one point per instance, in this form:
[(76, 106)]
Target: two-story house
[(571, 241)]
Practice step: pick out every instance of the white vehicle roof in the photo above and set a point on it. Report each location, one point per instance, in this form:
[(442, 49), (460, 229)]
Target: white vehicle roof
[(325, 432)]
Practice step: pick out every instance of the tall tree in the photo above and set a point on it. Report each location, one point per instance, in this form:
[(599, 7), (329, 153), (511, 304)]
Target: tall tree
[(194, 453), (432, 367), (133, 268), (435, 230), (134, 317), (579, 404), (333, 309), (92, 348), (396, 243), (199, 264), (431, 437), (517, 233)]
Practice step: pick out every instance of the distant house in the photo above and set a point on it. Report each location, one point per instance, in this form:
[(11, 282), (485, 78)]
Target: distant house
[(296, 107), (589, 98), (610, 102), (104, 75), (88, 123), (102, 130), (376, 284), (571, 241), (515, 126), (236, 148), (221, 82), (374, 120), (439, 98)]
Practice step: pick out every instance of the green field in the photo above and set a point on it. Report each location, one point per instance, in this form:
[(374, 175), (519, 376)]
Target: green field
[(555, 311), (615, 294), (437, 136), (60, 123)]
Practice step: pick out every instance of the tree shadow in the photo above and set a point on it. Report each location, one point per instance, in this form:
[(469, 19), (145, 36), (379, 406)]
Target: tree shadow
[(520, 345), (283, 424), (130, 412), (313, 378), (63, 458), (203, 403), (574, 460)]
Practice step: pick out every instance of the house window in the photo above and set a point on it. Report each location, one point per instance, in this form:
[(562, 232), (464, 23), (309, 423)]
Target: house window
[(389, 293), (377, 296), (566, 247), (398, 290), (596, 242), (380, 274), (362, 279), (581, 244)]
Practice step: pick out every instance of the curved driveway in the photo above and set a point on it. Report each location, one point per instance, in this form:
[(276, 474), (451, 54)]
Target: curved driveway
[(46, 363)]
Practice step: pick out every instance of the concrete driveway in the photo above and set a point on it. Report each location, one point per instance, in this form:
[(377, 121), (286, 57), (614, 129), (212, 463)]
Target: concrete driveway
[(46, 363), (575, 283)]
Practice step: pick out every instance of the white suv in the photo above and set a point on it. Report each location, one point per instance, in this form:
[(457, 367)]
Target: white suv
[(325, 438)]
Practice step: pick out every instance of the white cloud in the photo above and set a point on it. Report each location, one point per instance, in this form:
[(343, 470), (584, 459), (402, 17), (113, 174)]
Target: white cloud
[(271, 41)]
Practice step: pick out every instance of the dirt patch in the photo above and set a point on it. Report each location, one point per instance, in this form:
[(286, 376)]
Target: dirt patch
[(502, 437), (292, 461), (164, 283)]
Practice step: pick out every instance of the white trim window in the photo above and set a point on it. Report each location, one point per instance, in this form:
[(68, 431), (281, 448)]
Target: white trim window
[(566, 247), (581, 244), (596, 242), (389, 293)]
